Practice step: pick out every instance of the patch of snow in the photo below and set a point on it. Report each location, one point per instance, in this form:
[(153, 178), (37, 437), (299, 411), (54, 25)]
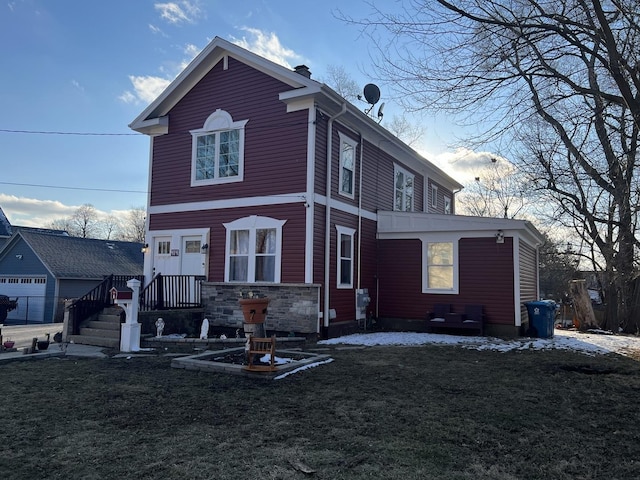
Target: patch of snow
[(304, 367), (590, 343)]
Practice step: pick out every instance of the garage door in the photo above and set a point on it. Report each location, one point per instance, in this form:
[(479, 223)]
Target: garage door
[(31, 298)]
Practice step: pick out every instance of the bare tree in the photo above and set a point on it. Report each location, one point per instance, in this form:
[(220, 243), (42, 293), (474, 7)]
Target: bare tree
[(133, 226), (338, 79), (84, 222), (110, 226), (557, 83), (406, 131), (499, 190)]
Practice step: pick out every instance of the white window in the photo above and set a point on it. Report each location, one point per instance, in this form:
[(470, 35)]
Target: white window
[(347, 166), (217, 154), (434, 196), (403, 185), (447, 205), (345, 257), (440, 268), (254, 250)]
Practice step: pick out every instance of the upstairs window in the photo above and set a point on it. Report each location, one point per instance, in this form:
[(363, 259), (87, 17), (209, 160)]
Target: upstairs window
[(218, 150), (447, 205), (254, 250), (403, 185), (347, 166)]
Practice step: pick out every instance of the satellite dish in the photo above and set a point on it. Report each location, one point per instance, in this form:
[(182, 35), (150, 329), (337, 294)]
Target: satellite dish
[(371, 93)]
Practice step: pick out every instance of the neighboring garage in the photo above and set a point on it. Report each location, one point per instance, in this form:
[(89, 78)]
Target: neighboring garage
[(44, 269), (31, 294)]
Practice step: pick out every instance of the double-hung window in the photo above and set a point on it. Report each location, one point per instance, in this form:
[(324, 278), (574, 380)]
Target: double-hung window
[(347, 166), (218, 150), (345, 257), (440, 269), (254, 250), (403, 185)]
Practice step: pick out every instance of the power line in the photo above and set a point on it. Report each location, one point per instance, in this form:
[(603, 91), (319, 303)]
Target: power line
[(45, 132), (71, 188)]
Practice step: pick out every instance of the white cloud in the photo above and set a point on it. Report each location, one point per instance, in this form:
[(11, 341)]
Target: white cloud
[(267, 45), (179, 12), (156, 30), (76, 84), (464, 164), (31, 212), (147, 88)]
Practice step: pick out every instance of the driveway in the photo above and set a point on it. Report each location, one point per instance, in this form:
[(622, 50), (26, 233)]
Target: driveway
[(24, 334)]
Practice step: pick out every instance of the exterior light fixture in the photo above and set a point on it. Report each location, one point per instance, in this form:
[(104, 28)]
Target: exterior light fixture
[(145, 248), (500, 236), (204, 248)]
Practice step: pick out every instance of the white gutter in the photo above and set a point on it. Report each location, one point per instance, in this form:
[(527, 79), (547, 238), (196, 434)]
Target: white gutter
[(327, 226)]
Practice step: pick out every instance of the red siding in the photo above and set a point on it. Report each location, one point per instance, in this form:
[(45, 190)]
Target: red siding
[(485, 277), (273, 138), (293, 239)]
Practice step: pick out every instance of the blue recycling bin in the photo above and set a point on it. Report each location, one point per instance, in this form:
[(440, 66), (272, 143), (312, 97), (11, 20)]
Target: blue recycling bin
[(542, 316)]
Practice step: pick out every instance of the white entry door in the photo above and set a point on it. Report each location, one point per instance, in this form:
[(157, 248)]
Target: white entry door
[(192, 260), (162, 260)]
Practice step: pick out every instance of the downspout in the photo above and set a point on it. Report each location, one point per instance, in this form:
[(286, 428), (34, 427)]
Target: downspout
[(327, 223)]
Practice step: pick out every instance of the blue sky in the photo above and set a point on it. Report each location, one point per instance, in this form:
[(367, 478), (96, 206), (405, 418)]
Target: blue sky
[(74, 67)]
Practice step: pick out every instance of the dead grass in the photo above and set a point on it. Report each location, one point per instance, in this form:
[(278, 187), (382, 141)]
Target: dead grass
[(383, 412)]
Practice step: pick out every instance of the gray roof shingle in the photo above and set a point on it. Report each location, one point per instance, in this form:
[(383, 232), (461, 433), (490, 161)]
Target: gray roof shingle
[(73, 257)]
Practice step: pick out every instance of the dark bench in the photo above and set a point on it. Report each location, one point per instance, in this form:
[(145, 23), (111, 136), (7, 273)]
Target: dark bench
[(443, 318)]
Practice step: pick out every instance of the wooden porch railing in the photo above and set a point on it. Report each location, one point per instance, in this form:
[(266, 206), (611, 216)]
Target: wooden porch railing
[(94, 301), (166, 292)]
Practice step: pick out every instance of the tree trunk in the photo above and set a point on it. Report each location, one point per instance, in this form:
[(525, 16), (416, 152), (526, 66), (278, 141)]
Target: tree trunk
[(582, 305)]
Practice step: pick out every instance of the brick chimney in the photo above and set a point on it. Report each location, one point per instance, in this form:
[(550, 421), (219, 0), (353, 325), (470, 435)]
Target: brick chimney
[(302, 70)]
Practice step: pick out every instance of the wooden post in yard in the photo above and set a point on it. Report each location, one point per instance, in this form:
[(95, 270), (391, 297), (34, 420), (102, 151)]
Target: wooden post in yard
[(582, 305)]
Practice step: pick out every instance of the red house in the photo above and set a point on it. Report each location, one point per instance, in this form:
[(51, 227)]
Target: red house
[(265, 180)]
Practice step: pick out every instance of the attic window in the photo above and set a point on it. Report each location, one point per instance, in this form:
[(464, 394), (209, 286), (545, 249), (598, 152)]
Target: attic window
[(217, 154)]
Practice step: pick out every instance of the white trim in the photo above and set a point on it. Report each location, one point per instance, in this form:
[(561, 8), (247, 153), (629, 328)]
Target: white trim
[(309, 197), (286, 198), (350, 232), (516, 280), (354, 145), (439, 238), (294, 197), (253, 223), (433, 195)]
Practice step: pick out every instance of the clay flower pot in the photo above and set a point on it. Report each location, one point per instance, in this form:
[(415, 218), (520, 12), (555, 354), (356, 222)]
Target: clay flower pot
[(254, 309)]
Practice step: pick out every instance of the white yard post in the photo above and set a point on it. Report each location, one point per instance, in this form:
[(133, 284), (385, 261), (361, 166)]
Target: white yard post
[(130, 330)]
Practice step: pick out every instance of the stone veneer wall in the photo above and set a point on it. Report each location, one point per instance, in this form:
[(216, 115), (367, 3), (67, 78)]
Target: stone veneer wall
[(292, 307)]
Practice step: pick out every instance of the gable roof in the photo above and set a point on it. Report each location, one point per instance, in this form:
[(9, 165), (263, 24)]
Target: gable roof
[(304, 91), (82, 258)]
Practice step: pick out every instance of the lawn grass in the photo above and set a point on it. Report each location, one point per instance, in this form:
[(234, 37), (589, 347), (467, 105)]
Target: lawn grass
[(429, 412)]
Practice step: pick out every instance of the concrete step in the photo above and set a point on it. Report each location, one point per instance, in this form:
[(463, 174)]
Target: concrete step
[(112, 310), (100, 332), (109, 318), (96, 341), (98, 325)]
